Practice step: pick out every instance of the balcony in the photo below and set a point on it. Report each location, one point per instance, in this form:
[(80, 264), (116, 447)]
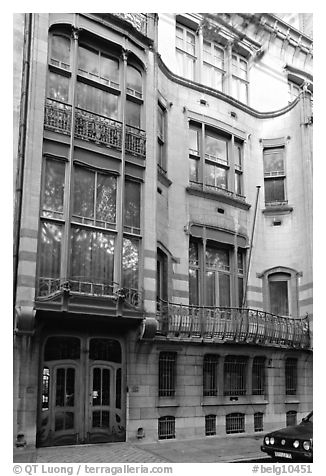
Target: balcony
[(231, 325), (53, 289), (94, 128)]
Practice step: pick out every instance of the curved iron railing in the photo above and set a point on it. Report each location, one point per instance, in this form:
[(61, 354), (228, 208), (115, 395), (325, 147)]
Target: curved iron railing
[(221, 324)]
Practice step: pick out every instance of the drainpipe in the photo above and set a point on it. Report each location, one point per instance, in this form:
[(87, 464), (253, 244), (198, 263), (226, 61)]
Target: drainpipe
[(21, 145), (251, 246)]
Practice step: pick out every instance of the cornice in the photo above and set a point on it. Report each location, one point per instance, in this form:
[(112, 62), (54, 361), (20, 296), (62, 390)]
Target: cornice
[(222, 96)]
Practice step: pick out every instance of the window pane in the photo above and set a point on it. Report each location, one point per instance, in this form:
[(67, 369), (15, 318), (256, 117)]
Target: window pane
[(193, 141), (274, 190), (108, 105), (106, 199), (193, 169), (273, 162), (238, 183), (130, 261), (179, 57), (133, 114), (50, 252), (134, 80), (84, 183), (278, 291), (193, 287), (216, 176), (217, 258), (87, 97), (216, 147), (210, 288), (60, 50), (224, 289), (132, 206), (190, 43), (189, 67), (53, 187), (58, 87), (88, 61), (92, 256), (109, 69)]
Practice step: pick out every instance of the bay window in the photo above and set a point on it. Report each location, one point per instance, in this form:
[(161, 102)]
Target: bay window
[(53, 188), (96, 100), (132, 207), (50, 253), (98, 66), (130, 263)]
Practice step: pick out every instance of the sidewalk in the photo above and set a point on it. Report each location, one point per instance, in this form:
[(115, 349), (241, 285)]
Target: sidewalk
[(204, 450)]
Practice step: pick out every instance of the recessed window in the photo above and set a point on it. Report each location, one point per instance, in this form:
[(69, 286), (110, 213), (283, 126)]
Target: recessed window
[(274, 176), (291, 418), (278, 284), (258, 421), (291, 376), (235, 423), (210, 425), (166, 428), (235, 375), (166, 374), (258, 376), (210, 367)]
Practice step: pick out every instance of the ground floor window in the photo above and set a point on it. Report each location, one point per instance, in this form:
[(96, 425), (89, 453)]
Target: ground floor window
[(166, 428), (166, 374), (210, 425), (291, 418), (291, 376), (235, 423), (235, 371), (258, 421)]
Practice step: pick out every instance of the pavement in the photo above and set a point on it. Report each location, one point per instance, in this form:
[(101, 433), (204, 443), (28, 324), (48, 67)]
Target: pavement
[(205, 450)]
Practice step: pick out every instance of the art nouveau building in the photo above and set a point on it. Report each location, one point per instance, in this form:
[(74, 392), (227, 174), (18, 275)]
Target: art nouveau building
[(163, 226)]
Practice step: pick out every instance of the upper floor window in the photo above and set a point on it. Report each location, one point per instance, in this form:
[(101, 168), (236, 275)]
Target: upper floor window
[(278, 285), (134, 82), (132, 207), (239, 88), (94, 198), (274, 175), (211, 155), (161, 275), (60, 51), (293, 91), (99, 66), (134, 97), (185, 51), (213, 65), (53, 188), (96, 100), (161, 155)]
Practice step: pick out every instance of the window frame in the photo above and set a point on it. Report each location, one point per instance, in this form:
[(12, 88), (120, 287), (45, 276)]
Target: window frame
[(276, 175)]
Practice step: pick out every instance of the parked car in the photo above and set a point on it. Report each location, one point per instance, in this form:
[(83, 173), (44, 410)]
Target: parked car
[(291, 443)]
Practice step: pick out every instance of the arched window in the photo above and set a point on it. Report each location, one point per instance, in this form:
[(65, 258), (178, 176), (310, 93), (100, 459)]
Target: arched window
[(280, 290)]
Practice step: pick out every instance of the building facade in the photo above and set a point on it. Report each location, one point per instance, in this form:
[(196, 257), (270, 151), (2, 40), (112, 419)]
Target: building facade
[(162, 226)]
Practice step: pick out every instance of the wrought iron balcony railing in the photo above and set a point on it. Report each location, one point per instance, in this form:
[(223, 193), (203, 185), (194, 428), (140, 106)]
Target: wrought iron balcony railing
[(94, 127), (57, 116), (138, 20), (220, 324), (50, 288)]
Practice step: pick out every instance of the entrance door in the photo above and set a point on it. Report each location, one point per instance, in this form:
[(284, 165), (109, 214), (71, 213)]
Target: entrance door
[(81, 398)]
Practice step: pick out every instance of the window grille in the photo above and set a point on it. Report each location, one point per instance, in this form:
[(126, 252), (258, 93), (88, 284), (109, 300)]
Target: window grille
[(235, 369), (166, 428), (210, 425), (210, 375), (291, 376), (291, 418), (167, 362), (235, 423), (259, 421), (258, 376)]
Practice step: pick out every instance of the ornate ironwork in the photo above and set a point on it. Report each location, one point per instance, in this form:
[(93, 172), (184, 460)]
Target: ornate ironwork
[(99, 129), (135, 141), (138, 20), (57, 116), (220, 324)]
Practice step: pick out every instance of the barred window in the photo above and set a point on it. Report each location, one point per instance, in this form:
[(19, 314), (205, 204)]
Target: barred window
[(166, 427), (258, 376), (167, 364), (235, 423), (291, 376), (258, 421), (210, 375), (210, 425), (291, 418), (235, 370)]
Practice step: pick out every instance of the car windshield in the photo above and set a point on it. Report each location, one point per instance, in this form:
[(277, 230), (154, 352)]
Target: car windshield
[(308, 418)]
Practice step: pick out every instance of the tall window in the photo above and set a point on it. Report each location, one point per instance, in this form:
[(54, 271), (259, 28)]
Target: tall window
[(162, 275), (59, 68), (194, 271), (185, 52), (132, 207), (291, 377), (239, 78), (241, 274), (278, 285), (130, 263), (274, 176), (134, 97), (211, 155), (235, 375), (166, 374), (213, 65), (217, 282), (210, 367), (161, 155), (293, 91), (258, 376)]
